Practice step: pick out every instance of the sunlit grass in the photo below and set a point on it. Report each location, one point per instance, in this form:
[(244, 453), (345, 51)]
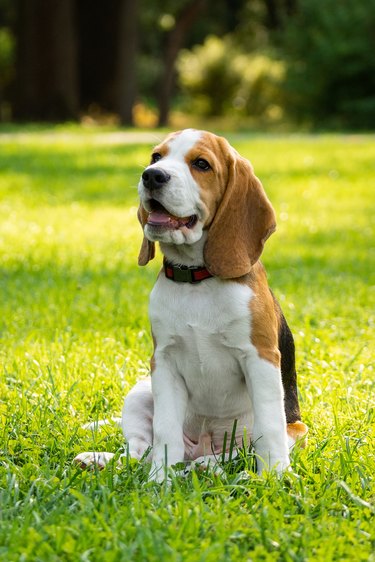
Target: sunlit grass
[(75, 337)]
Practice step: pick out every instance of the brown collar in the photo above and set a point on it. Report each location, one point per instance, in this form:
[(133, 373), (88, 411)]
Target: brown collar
[(185, 274)]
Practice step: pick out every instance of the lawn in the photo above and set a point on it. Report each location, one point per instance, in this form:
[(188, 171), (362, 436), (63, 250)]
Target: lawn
[(75, 337)]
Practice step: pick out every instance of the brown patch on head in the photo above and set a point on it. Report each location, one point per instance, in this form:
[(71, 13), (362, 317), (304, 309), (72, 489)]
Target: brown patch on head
[(240, 217), (264, 320), (298, 432), (163, 147), (212, 182)]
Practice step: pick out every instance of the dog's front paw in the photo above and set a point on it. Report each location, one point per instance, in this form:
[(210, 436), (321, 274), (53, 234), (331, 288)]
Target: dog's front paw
[(267, 463), (159, 472), (92, 459)]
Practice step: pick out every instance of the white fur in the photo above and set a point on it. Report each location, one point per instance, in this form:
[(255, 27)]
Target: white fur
[(92, 458), (181, 196)]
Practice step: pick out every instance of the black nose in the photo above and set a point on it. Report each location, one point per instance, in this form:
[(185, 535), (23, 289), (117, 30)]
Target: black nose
[(154, 178)]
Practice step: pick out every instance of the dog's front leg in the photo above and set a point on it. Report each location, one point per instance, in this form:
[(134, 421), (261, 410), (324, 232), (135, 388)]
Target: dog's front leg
[(269, 434), (170, 401)]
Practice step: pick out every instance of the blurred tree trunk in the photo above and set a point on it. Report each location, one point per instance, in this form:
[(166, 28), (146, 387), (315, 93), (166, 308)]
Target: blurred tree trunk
[(46, 86), (277, 12), (98, 28), (126, 71), (175, 41)]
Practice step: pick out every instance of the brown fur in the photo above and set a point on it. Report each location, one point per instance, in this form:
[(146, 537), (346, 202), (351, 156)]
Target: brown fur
[(242, 223), (264, 321), (298, 431)]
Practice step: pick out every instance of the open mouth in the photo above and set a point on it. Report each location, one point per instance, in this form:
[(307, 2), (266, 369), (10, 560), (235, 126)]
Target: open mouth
[(160, 217)]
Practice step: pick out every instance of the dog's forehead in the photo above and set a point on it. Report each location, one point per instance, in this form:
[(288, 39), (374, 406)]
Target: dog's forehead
[(192, 143), (181, 143), (178, 145)]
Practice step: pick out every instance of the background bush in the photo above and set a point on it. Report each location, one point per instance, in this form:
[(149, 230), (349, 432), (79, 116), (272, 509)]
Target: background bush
[(329, 48), (219, 78), (210, 75)]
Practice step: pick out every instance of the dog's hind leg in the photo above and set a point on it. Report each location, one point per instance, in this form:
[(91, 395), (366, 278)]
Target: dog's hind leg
[(136, 423), (137, 418)]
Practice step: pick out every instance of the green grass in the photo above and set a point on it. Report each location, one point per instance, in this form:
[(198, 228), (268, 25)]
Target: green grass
[(75, 337)]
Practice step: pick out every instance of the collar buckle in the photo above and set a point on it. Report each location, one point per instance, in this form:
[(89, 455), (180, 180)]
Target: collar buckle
[(185, 274), (182, 274)]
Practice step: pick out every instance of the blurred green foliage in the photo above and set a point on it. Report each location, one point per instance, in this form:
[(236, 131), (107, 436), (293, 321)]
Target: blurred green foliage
[(329, 48), (219, 78), (211, 75)]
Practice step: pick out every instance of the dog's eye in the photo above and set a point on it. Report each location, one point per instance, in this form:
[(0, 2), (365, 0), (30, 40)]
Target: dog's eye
[(155, 157), (201, 164)]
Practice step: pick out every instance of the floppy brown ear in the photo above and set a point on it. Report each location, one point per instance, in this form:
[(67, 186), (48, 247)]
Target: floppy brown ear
[(243, 222), (147, 251)]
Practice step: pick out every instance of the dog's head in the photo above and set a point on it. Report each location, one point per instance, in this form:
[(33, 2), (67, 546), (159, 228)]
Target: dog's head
[(197, 182)]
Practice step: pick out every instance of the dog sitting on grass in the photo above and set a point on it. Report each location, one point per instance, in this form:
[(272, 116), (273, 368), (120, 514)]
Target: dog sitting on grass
[(223, 352)]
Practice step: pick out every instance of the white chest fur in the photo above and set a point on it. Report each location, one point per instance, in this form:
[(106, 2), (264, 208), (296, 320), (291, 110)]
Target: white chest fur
[(203, 331)]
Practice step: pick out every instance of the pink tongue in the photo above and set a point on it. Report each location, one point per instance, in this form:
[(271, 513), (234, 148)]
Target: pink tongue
[(163, 219)]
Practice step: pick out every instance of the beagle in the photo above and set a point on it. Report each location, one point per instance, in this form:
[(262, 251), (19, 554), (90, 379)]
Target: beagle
[(223, 352)]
